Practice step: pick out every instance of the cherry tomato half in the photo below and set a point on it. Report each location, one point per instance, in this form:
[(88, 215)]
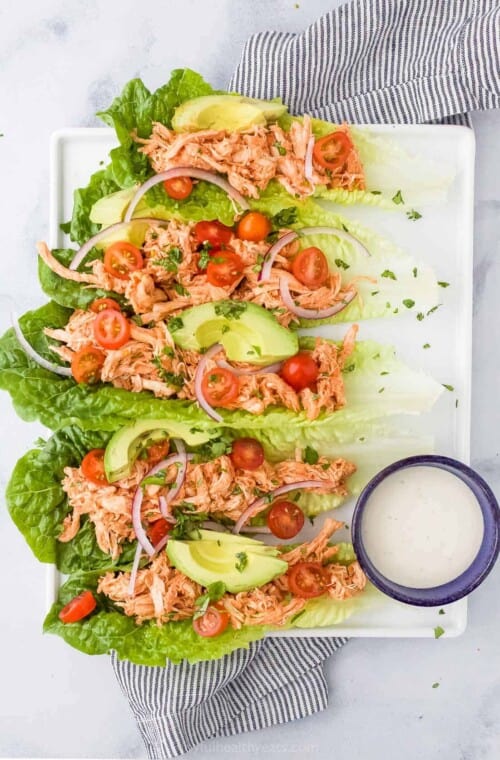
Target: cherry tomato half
[(307, 580), (332, 151), (157, 451), (104, 303), (285, 519), (93, 467), (253, 226), (178, 188), (111, 329), (214, 232), (78, 608), (310, 267), (158, 530), (224, 268), (300, 371), (212, 623), (121, 259), (247, 453), (220, 386), (86, 365)]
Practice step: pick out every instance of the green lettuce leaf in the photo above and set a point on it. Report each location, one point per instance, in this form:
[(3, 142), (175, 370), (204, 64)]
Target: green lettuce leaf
[(324, 612), (58, 401)]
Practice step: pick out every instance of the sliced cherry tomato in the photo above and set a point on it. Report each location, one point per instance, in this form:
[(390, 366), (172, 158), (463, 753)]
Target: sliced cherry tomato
[(247, 453), (214, 232), (121, 259), (307, 580), (310, 267), (224, 268), (253, 226), (158, 530), (300, 371), (79, 607), (220, 386), (212, 623), (104, 303), (157, 451), (111, 329), (86, 365), (332, 151), (178, 187), (93, 467), (285, 519)]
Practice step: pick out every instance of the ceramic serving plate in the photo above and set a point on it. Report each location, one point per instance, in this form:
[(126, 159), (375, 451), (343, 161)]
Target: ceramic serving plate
[(442, 238)]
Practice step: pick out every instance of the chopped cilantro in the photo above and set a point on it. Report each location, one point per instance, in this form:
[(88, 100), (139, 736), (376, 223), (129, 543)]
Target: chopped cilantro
[(341, 264), (381, 390), (441, 612), (398, 198), (285, 217), (311, 456), (409, 303), (225, 329), (280, 148), (168, 377), (258, 264), (230, 309), (456, 403), (390, 275), (443, 284), (242, 562), (413, 215), (168, 351), (420, 316), (435, 685), (204, 256), (180, 289), (175, 323), (376, 192), (426, 345), (187, 525), (214, 592), (384, 373), (171, 261), (415, 271), (375, 292), (438, 631), (448, 387), (349, 368), (434, 308)]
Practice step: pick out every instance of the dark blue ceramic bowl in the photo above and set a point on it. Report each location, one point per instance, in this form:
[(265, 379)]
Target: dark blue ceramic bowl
[(475, 573)]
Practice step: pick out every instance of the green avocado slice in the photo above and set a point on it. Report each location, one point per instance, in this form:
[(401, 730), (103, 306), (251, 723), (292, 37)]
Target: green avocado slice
[(231, 112), (248, 332), (240, 569)]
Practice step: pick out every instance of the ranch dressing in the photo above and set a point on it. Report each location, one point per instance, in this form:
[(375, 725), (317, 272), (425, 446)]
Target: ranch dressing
[(422, 527)]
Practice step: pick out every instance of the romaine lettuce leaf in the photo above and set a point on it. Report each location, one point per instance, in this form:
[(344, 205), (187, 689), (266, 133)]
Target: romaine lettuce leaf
[(58, 401), (324, 612)]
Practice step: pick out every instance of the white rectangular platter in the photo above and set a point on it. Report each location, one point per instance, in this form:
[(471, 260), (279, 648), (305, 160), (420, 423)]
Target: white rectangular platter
[(442, 238)]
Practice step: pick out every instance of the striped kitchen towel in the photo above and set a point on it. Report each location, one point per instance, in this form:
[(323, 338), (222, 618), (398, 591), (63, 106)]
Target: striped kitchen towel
[(405, 61)]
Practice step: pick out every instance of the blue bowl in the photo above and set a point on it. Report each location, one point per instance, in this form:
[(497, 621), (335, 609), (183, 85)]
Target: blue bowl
[(481, 565)]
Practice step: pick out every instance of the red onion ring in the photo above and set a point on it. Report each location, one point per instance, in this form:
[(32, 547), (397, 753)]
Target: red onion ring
[(265, 271), (30, 351), (264, 501), (200, 371), (135, 568), (184, 171), (86, 247), (140, 533), (262, 370), (299, 311), (182, 458), (308, 164), (164, 510)]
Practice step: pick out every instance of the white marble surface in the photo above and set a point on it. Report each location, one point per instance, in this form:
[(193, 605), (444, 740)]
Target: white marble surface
[(59, 62)]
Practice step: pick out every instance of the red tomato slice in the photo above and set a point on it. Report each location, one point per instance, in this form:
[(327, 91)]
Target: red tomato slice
[(121, 259), (86, 365), (93, 467), (300, 371), (224, 268), (157, 451), (111, 329), (158, 530), (310, 267), (104, 303), (78, 608), (253, 226), (285, 519), (247, 454), (332, 151), (214, 232), (307, 580), (178, 188), (220, 386), (212, 623)]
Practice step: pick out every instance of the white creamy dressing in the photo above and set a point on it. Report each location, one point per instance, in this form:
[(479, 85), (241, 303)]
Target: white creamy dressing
[(422, 526)]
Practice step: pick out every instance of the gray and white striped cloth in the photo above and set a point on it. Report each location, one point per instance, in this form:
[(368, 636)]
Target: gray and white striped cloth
[(392, 61)]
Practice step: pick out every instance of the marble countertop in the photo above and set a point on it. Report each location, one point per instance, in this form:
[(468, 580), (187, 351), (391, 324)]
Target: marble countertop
[(59, 63)]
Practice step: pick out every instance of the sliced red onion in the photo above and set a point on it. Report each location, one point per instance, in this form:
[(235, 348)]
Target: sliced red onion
[(102, 234), (257, 505), (299, 311), (261, 370), (140, 533), (336, 232), (265, 271), (164, 510), (161, 543), (185, 171), (255, 529), (308, 162), (200, 371), (30, 351), (135, 568)]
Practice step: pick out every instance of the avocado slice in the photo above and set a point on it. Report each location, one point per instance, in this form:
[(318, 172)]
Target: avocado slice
[(239, 542), (206, 562), (248, 332), (231, 112), (123, 448)]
